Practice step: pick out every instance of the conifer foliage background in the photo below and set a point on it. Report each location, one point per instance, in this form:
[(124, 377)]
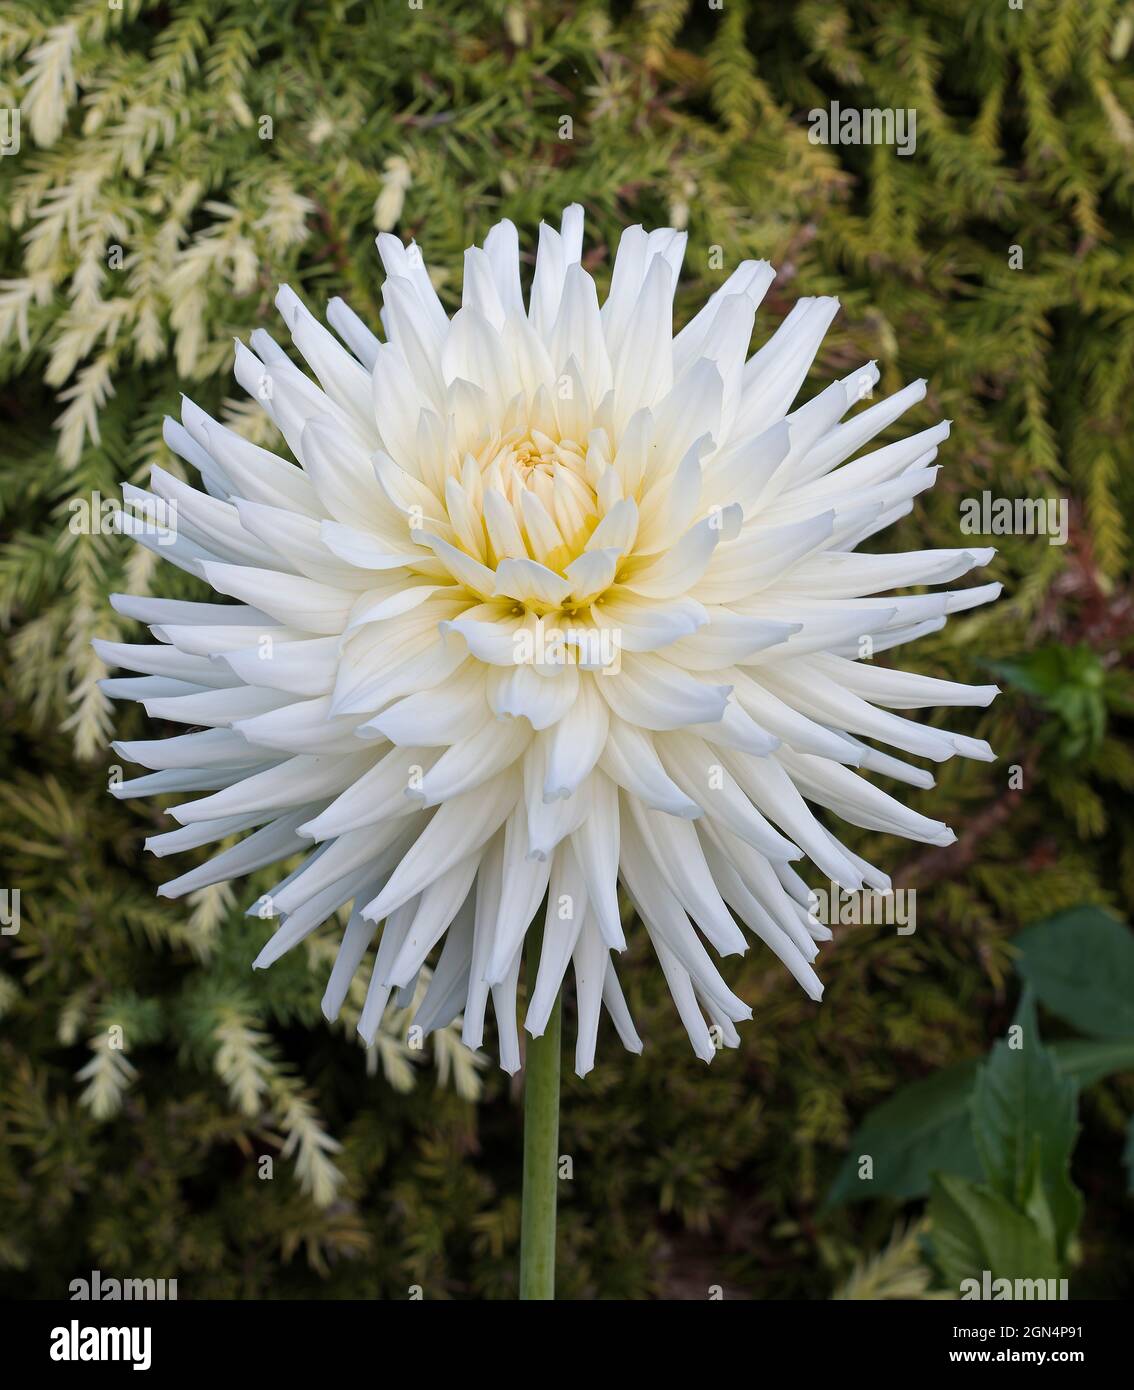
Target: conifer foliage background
[(225, 146)]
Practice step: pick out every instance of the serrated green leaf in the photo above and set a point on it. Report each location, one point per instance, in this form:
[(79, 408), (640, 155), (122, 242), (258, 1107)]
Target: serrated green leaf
[(1024, 1123), (924, 1128)]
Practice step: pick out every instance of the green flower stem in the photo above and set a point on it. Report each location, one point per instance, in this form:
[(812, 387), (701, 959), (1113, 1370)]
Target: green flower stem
[(541, 1161)]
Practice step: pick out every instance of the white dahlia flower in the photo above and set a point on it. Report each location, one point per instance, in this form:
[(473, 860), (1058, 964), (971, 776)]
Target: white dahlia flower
[(551, 600)]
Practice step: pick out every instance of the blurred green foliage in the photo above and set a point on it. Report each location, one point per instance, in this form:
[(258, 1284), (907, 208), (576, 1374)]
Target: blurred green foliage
[(224, 146), (991, 1142), (1072, 684)]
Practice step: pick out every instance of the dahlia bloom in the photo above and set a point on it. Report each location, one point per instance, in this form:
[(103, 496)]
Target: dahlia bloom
[(551, 600)]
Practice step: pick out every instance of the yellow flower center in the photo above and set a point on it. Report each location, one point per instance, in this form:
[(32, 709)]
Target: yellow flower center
[(551, 497)]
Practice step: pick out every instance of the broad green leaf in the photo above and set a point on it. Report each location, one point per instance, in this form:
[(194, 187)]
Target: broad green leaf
[(1087, 1062), (974, 1229), (1024, 1122), (1081, 965), (924, 1127), (921, 1128)]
